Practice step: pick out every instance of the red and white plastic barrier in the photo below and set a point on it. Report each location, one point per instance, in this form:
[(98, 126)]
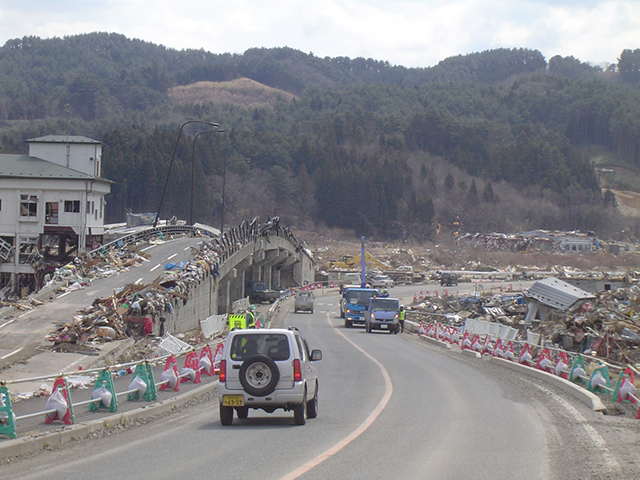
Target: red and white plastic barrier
[(169, 376), (60, 401)]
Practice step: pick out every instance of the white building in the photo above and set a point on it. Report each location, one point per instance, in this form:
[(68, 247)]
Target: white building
[(51, 207)]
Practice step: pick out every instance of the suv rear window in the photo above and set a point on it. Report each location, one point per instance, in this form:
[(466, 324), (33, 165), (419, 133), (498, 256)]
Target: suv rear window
[(246, 345), (384, 304)]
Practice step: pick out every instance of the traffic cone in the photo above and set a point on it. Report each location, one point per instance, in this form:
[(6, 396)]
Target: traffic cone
[(455, 337), (466, 341), (191, 368), (60, 400), (422, 329), (206, 361), (562, 369), (476, 345), (487, 346), (508, 352), (525, 355), (106, 392), (544, 361), (498, 350), (170, 375)]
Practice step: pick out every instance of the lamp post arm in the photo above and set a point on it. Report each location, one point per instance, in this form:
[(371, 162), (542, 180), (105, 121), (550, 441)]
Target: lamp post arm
[(173, 156)]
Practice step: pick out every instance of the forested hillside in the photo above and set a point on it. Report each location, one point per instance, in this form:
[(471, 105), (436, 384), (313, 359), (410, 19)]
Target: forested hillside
[(504, 140)]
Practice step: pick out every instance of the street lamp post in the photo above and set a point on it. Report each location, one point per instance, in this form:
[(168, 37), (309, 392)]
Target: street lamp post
[(175, 148), (224, 181), (193, 162)]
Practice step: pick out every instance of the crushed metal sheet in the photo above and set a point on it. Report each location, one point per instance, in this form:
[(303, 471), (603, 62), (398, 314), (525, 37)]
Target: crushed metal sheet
[(170, 345)]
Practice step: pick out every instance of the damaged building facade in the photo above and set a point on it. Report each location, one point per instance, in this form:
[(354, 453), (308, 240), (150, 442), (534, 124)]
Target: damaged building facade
[(52, 206)]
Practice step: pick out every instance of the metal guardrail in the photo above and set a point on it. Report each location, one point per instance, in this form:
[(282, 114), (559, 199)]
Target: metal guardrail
[(8, 418)]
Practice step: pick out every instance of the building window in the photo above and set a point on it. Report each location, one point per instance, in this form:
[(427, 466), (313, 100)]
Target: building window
[(28, 206), (28, 250), (51, 213), (72, 206)]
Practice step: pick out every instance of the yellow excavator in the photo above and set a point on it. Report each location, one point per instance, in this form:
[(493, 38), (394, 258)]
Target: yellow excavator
[(351, 261)]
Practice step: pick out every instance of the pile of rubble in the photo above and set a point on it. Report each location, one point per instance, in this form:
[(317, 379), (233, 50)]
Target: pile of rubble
[(607, 327), (135, 309)]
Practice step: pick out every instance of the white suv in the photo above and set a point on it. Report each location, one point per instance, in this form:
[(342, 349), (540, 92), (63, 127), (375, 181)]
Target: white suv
[(268, 369)]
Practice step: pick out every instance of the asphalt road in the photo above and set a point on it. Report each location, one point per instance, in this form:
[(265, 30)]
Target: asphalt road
[(391, 406), (23, 334)]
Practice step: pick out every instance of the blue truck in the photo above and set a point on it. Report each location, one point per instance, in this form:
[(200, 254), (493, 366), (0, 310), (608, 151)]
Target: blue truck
[(383, 314), (356, 301)]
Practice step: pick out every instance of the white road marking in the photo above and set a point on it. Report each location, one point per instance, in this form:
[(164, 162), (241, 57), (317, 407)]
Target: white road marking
[(154, 268), (10, 321), (138, 281), (147, 248), (68, 367), (175, 254), (186, 248), (65, 293), (358, 431), (9, 354), (592, 433)]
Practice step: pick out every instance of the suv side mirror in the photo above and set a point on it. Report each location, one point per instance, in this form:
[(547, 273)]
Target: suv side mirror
[(316, 355)]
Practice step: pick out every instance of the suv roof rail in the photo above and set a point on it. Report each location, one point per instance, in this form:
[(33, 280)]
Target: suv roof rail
[(293, 328)]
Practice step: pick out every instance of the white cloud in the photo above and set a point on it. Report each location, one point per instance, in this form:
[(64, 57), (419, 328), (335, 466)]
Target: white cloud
[(406, 32)]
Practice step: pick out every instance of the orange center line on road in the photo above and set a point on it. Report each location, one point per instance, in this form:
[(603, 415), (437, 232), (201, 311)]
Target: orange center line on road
[(363, 426)]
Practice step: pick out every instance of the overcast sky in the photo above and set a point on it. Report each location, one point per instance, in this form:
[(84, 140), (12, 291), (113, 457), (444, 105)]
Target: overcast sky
[(413, 33)]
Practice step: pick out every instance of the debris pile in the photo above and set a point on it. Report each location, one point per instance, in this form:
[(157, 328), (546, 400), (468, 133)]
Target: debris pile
[(135, 309), (607, 327)]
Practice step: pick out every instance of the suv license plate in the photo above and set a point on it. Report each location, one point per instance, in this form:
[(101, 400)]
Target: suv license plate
[(384, 325), (232, 400)]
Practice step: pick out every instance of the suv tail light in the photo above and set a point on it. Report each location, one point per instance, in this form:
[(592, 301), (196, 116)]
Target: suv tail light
[(222, 376), (297, 371)]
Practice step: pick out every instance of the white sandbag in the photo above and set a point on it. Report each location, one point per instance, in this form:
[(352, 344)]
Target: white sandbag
[(57, 402), (103, 394), (138, 384), (189, 372), (170, 376), (204, 363)]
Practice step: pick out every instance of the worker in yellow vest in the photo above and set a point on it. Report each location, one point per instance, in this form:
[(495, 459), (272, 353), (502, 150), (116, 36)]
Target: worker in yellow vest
[(251, 317), (401, 318)]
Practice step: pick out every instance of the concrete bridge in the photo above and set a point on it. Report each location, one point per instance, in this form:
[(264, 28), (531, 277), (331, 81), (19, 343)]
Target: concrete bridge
[(252, 251)]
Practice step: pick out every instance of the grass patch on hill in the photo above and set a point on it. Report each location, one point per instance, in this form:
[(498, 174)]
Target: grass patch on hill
[(242, 92)]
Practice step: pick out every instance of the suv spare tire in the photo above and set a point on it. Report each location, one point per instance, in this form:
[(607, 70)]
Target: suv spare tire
[(259, 375)]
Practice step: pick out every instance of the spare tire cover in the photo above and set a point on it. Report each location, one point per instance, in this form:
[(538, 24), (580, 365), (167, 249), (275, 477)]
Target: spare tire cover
[(259, 375)]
